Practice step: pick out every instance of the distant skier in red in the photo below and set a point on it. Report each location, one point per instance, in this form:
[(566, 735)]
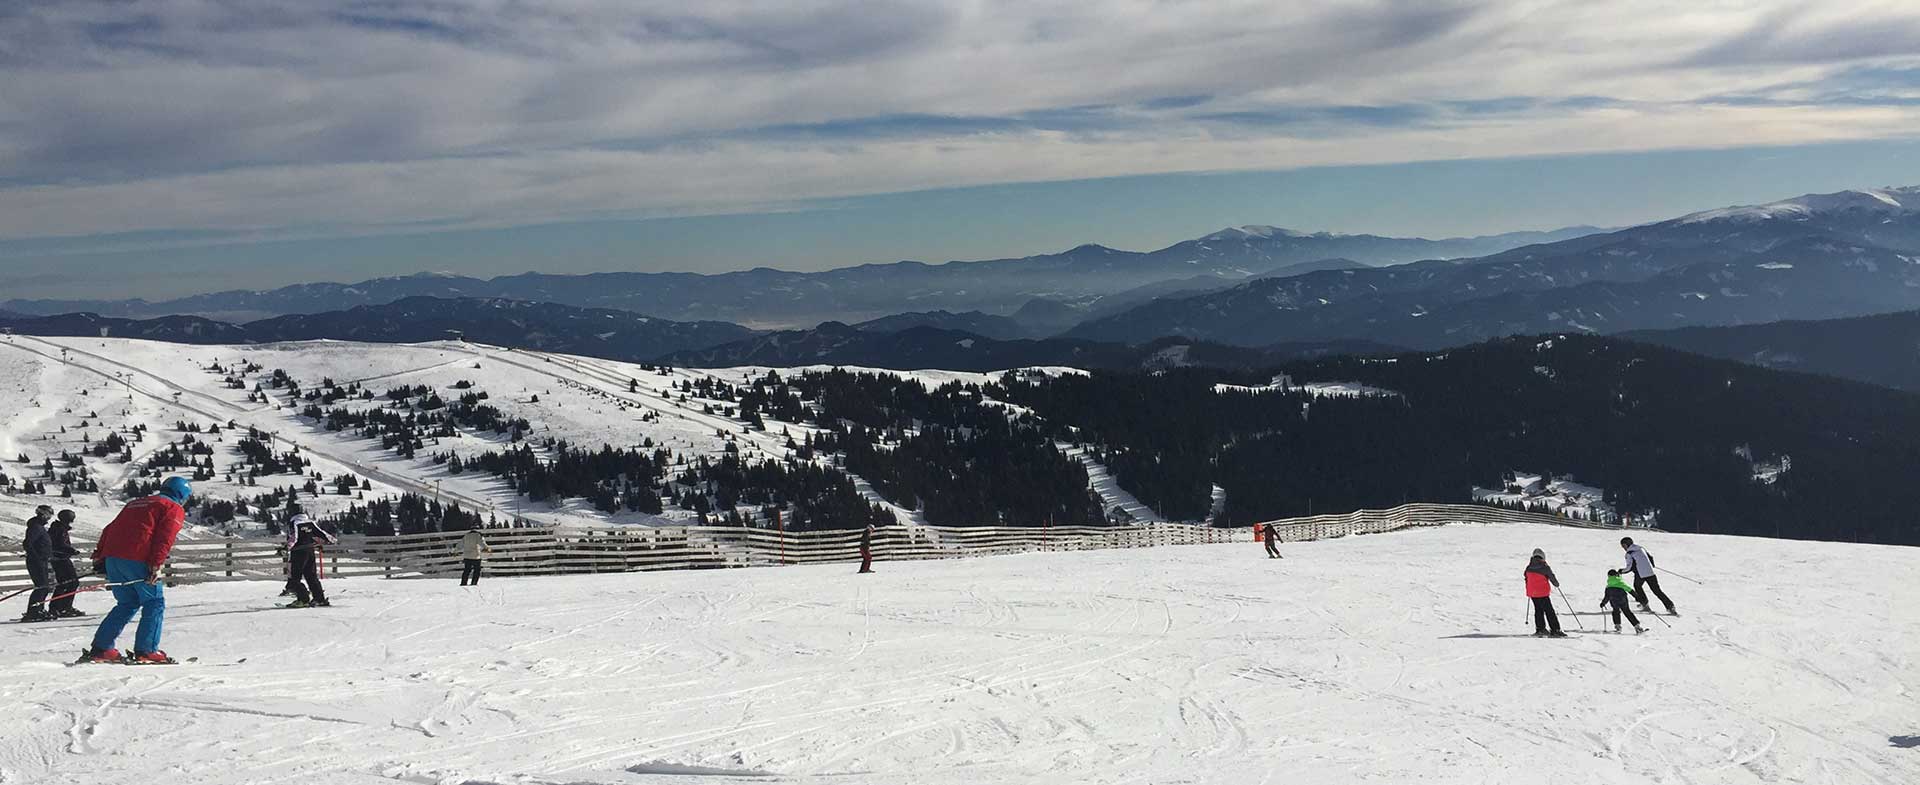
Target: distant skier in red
[(1272, 539), (131, 551), (866, 549), (1540, 583)]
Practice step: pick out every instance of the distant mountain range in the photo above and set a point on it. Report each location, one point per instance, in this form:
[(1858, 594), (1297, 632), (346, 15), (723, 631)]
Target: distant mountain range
[(778, 298), (621, 335), (1814, 257), (1883, 349), (923, 346), (1817, 256), (596, 332)]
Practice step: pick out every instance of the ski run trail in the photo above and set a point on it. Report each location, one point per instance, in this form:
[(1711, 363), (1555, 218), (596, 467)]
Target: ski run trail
[(1394, 658)]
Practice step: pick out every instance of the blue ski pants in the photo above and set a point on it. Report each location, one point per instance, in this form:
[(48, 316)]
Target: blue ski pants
[(148, 600)]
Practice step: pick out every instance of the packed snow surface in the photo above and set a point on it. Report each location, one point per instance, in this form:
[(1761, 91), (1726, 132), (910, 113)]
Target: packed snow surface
[(1394, 658)]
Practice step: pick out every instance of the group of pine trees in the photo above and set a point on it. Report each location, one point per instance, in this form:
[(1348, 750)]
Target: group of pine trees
[(960, 459)]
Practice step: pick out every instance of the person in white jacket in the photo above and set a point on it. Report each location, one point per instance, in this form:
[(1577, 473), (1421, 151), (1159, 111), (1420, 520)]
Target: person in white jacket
[(472, 545), (1640, 563)]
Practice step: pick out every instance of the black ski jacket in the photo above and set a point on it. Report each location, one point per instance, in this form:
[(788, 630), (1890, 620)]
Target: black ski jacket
[(62, 536), (39, 545), (306, 537)]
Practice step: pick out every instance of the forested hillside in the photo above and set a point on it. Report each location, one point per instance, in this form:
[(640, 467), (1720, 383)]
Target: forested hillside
[(1883, 349), (1663, 430)]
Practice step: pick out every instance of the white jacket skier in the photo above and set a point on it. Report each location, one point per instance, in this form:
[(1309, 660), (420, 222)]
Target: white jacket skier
[(1640, 563)]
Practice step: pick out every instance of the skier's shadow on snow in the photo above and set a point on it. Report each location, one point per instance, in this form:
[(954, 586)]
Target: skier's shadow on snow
[(1904, 742), (1487, 635)]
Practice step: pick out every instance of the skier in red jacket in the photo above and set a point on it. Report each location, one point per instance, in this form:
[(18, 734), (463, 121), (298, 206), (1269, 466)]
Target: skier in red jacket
[(131, 551), (1540, 583)]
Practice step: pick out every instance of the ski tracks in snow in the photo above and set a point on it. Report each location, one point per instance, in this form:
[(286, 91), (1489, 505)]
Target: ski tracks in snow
[(1202, 664)]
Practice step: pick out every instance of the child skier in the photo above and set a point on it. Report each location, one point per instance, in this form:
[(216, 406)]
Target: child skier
[(1616, 596), (1540, 585), (304, 539), (39, 547), (66, 579)]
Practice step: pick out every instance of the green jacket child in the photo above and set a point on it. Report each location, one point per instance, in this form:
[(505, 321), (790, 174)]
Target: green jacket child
[(1616, 597)]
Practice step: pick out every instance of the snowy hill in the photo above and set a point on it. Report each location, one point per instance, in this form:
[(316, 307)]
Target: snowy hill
[(64, 396), (1390, 658)]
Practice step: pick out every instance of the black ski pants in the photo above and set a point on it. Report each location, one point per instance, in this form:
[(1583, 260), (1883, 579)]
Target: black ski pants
[(305, 580), (1273, 548), (42, 585), (1619, 605), (1650, 582), (469, 572), (66, 581), (1544, 619)]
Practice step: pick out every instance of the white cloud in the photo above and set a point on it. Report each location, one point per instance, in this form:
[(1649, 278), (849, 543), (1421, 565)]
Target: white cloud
[(350, 116)]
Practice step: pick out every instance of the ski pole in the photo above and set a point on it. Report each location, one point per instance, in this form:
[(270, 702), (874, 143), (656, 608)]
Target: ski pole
[(1682, 577), (22, 591), (95, 587), (1581, 626)]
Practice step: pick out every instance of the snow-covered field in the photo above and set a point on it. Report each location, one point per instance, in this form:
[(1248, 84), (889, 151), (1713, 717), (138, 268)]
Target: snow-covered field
[(111, 385), (1393, 658)]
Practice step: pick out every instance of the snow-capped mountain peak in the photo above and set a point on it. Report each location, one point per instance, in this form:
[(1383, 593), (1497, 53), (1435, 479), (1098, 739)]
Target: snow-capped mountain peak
[(1878, 200), (1253, 232)]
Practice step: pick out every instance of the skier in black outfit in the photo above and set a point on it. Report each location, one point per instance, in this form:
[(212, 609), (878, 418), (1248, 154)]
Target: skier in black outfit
[(304, 539), (39, 565), (866, 549), (1272, 539), (66, 578)]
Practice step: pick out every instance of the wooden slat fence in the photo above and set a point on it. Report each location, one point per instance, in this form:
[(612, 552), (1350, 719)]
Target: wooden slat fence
[(574, 550)]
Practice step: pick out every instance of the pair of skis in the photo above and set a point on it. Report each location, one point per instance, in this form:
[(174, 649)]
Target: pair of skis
[(86, 658)]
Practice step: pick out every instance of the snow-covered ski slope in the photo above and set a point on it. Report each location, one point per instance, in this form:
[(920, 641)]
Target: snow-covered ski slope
[(110, 384), (1395, 658)]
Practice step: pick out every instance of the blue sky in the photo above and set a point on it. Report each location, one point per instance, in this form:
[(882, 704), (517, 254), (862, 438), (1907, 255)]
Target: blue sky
[(175, 146)]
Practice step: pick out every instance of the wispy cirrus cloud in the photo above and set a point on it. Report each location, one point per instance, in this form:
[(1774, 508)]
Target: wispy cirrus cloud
[(257, 117)]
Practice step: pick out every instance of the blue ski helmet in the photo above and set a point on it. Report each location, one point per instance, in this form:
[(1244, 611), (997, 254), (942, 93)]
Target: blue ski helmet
[(177, 489)]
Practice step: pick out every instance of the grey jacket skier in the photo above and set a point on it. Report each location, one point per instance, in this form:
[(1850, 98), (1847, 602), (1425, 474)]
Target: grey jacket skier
[(1640, 563)]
